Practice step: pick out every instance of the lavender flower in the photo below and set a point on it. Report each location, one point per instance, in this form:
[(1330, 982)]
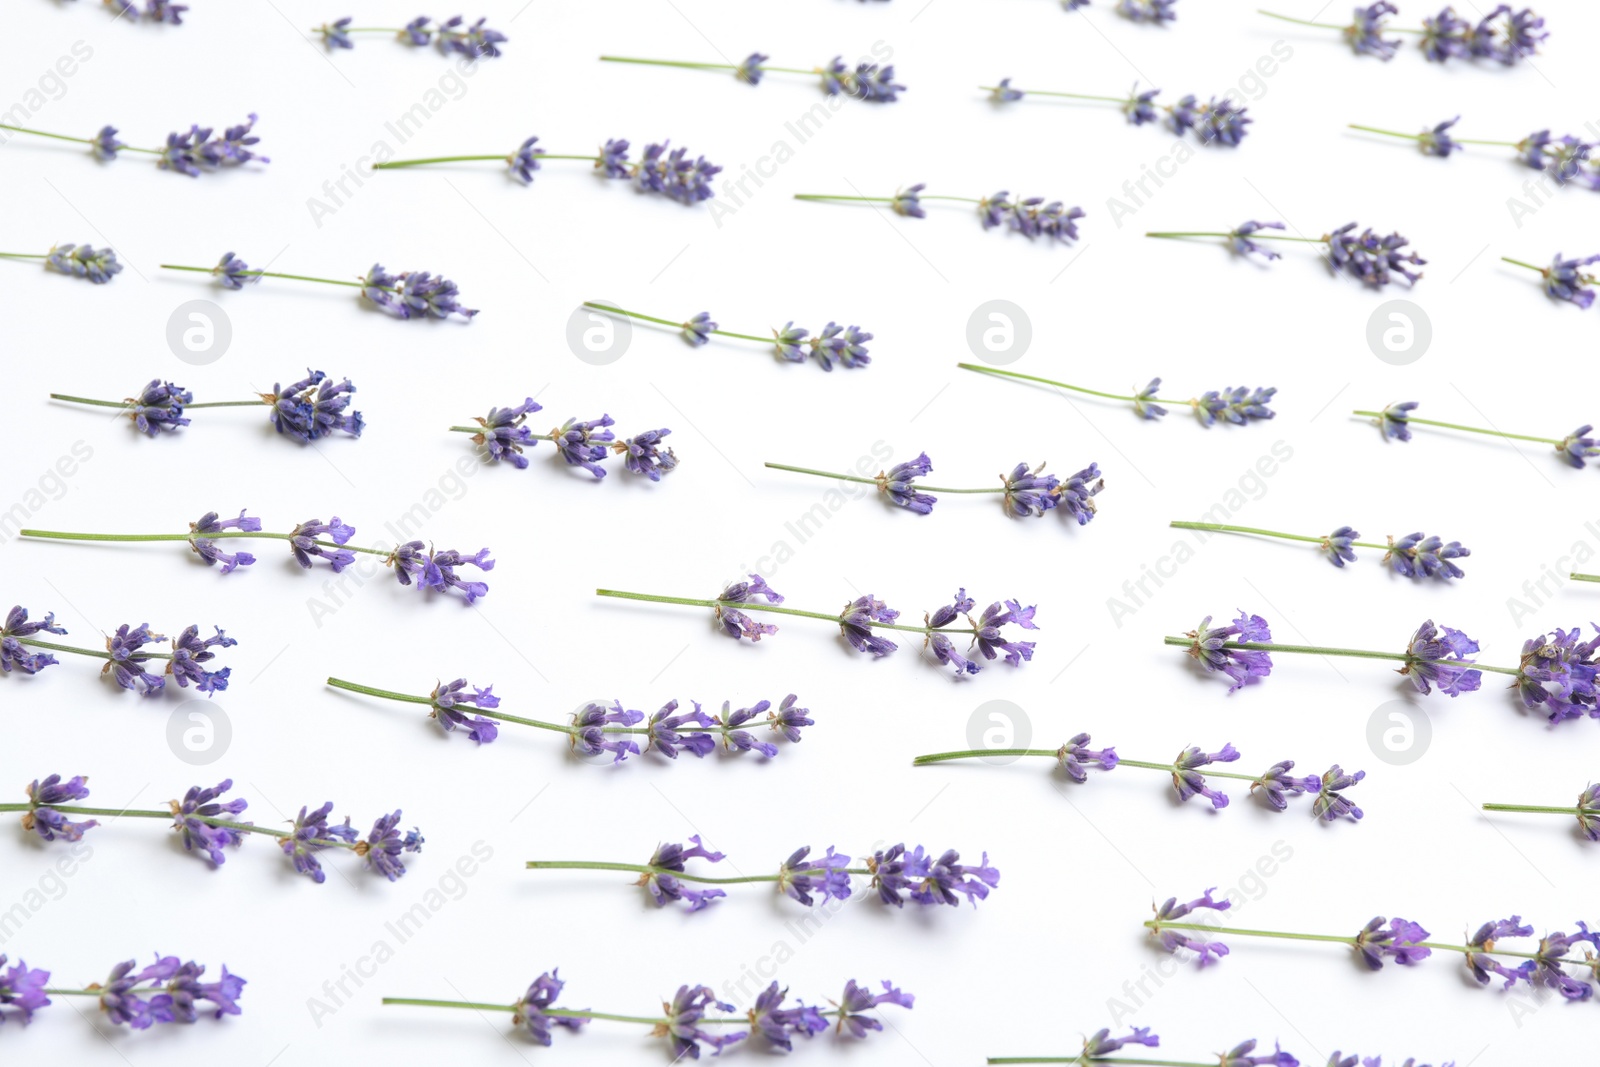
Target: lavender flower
[(1240, 664), (613, 159), (127, 659), (1237, 406), (1558, 672), (529, 1012), (589, 737), (504, 433), (1189, 782), (663, 731), (14, 655), (1401, 941), (736, 739), (1371, 259), (991, 642), (1030, 493), (1444, 36), (1224, 122), (1240, 244), (917, 876), (787, 342), (1277, 785), (867, 81), (1243, 1055), (448, 700), (1439, 658), (126, 1000), (303, 543), (642, 454), (1101, 1042), (314, 407), (736, 623), (1139, 108), (196, 151), (906, 201), (197, 835), (1156, 11), (778, 1024), (688, 1007), (233, 272), (1004, 94), (525, 160), (855, 622), (698, 330), (857, 1000), (1588, 805), (583, 443), (1330, 805), (1337, 546), (788, 719), (664, 888), (749, 71), (1545, 968), (1418, 557), (944, 650), (97, 266), (1394, 420), (189, 653), (335, 34), (899, 485), (1075, 753), (41, 817), (312, 834), (386, 844), (1482, 965), (436, 568), (1565, 279), (673, 174), (22, 990), (1144, 401), (209, 551), (799, 877), (1437, 141), (1365, 34), (1172, 940), (423, 295), (1075, 495), (475, 41), (105, 145)]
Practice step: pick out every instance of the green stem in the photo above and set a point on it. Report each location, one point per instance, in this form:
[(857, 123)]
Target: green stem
[(874, 481), (273, 274), (389, 694), (645, 868), (23, 255), (669, 322), (1533, 809), (776, 610), (671, 63), (62, 535), (117, 813), (1584, 577), (1467, 429), (558, 1013), (52, 991), (77, 140), (1440, 946), (1248, 530), (97, 654), (1096, 1059), (1520, 263), (1067, 96), (1301, 22), (979, 753), (132, 403), (1319, 650), (1386, 133), (1042, 381), (397, 163)]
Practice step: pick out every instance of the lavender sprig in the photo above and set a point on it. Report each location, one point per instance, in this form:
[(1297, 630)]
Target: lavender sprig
[(1565, 279), (683, 1018), (127, 660), (865, 81), (210, 826), (167, 991), (193, 152), (1563, 158), (1030, 216), (97, 266), (1586, 811), (1097, 1048), (413, 561), (1503, 35), (1217, 121), (596, 729), (306, 410), (662, 169), (581, 443), (1396, 421), (1406, 942), (451, 36), (158, 11), (895, 874), (1412, 556), (1275, 785), (1025, 492), (1235, 405), (860, 618), (408, 295), (1371, 259), (845, 345)]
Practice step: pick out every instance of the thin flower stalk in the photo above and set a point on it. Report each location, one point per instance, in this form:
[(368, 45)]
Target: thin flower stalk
[(413, 561), (1237, 405), (1372, 259), (1586, 811), (199, 150), (127, 660), (684, 1018), (1025, 492), (1396, 421), (1406, 943), (167, 991), (1565, 279), (598, 730), (1503, 35), (451, 36), (895, 874), (845, 345), (503, 434), (1415, 555), (1275, 786), (209, 826), (97, 266), (1565, 159), (1217, 121), (864, 81), (862, 618), (1099, 1046), (1031, 216), (314, 407), (662, 168), (408, 295)]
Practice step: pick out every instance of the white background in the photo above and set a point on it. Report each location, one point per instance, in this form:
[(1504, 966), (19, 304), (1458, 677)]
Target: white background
[(1041, 960)]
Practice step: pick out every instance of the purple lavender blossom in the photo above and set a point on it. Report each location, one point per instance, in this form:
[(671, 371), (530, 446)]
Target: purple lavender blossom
[(1239, 242), (208, 549), (899, 876), (313, 407), (1558, 672), (1154, 11), (944, 650), (1243, 1055), (799, 877), (304, 543), (41, 817), (525, 160), (736, 623), (1331, 805), (14, 655), (1481, 943), (731, 725), (164, 11), (1545, 968), (1395, 418), (475, 41), (1033, 217), (1029, 492), (386, 844), (1075, 753), (673, 174), (1337, 546), (1144, 404), (749, 70), (857, 1000), (448, 700), (96, 266), (787, 341), (1365, 34), (313, 834), (1401, 941), (1416, 556), (1189, 782), (1504, 41), (529, 1013), (22, 990), (1565, 279), (1100, 1043), (906, 201), (1003, 93), (1444, 36), (643, 454), (1589, 812), (335, 34), (1075, 495), (788, 719), (856, 621), (195, 151), (422, 295), (778, 1025), (198, 835), (1277, 785), (613, 159), (1237, 406), (666, 736), (436, 568), (589, 736), (1437, 141), (867, 81), (126, 1000), (1223, 123), (1240, 664), (1369, 258), (583, 443), (1139, 108), (698, 330), (233, 272), (126, 659), (991, 642), (1172, 940), (1439, 658), (190, 652), (504, 434), (664, 888), (688, 1007), (899, 485)]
